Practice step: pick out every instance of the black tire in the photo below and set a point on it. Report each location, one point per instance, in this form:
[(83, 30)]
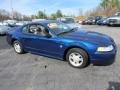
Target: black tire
[(82, 53), (21, 48), (110, 25)]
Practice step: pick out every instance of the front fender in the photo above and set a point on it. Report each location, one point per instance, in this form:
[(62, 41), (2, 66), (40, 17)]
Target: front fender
[(88, 47)]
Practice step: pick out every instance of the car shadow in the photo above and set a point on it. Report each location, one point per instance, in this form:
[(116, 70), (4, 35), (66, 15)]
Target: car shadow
[(2, 35), (114, 86), (115, 26)]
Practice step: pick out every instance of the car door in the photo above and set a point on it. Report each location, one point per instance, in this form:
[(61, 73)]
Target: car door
[(39, 43)]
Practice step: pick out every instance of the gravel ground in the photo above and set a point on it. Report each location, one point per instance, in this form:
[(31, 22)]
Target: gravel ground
[(32, 72)]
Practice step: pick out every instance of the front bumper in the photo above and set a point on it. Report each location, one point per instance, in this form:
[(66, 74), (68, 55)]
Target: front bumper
[(104, 57), (114, 22)]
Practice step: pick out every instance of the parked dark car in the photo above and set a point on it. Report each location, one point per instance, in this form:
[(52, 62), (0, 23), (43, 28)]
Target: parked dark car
[(56, 39), (91, 20), (84, 22), (102, 21), (88, 21)]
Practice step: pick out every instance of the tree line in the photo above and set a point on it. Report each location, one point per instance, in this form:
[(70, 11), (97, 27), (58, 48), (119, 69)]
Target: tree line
[(5, 15), (43, 15), (106, 8)]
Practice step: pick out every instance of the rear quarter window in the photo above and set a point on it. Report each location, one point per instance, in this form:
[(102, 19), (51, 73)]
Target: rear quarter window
[(25, 29)]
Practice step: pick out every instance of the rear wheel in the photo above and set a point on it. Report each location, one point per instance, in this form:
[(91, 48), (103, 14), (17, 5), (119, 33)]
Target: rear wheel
[(18, 47), (77, 58)]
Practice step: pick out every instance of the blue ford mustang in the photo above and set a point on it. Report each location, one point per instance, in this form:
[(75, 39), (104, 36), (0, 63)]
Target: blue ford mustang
[(57, 40)]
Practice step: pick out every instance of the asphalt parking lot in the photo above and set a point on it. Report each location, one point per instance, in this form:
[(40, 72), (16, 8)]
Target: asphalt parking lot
[(33, 72)]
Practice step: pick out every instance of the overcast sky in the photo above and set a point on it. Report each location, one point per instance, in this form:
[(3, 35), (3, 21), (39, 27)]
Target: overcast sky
[(29, 7)]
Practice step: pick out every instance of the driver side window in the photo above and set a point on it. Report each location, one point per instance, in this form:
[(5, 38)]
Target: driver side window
[(35, 30)]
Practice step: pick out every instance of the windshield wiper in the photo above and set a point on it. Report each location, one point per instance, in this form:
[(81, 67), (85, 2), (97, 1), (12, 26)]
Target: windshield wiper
[(71, 30), (63, 33), (74, 29)]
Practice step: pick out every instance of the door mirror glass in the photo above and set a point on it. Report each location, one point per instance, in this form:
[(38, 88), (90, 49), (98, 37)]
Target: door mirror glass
[(48, 33)]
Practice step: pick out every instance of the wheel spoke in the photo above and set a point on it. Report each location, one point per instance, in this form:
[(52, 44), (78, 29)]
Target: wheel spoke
[(17, 47), (75, 59)]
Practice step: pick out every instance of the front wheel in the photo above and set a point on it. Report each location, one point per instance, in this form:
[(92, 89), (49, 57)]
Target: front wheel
[(18, 47), (77, 58)]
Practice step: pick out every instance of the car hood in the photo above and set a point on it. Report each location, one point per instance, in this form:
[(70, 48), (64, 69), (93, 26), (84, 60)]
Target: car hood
[(74, 25), (114, 18), (89, 36)]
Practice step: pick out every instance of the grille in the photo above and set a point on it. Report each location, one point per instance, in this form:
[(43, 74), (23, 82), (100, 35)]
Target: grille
[(112, 21)]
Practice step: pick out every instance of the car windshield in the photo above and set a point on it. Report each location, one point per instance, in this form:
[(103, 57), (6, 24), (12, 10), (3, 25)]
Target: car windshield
[(68, 20), (60, 28)]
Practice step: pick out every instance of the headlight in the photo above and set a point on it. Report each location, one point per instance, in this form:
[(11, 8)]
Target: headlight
[(105, 49), (93, 20)]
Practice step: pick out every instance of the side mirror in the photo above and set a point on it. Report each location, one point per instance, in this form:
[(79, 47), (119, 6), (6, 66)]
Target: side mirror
[(48, 35), (46, 31)]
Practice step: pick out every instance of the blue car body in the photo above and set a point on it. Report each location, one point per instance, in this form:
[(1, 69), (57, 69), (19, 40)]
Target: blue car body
[(57, 46)]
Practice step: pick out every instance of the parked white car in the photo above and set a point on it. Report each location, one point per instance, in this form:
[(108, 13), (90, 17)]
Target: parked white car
[(1, 23), (4, 29), (19, 23), (115, 20), (70, 22), (9, 22)]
